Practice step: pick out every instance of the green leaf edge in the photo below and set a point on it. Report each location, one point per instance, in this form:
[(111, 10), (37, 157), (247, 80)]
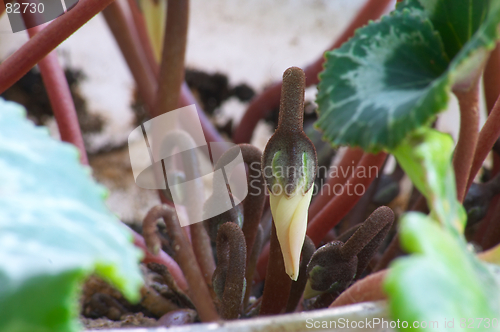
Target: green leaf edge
[(438, 102), (476, 49), (72, 278)]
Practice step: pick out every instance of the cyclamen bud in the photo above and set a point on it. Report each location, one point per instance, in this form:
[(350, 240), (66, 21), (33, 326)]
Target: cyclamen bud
[(289, 167)]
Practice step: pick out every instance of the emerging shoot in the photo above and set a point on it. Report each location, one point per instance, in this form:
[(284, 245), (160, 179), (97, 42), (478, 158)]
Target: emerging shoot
[(289, 166)]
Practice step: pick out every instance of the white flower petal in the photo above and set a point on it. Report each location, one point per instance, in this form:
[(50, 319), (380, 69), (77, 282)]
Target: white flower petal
[(290, 219)]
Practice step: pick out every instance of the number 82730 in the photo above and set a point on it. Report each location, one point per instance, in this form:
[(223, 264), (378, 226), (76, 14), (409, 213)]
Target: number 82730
[(24, 7), (475, 323)]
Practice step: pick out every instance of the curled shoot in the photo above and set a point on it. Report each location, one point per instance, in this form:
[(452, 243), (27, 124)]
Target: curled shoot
[(335, 265), (184, 255)]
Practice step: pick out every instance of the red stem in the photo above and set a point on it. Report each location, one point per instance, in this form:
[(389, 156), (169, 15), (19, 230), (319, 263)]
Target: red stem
[(161, 258), (172, 64), (200, 241), (254, 202), (370, 288), (2, 8), (140, 26), (491, 129), (338, 207), (491, 82), (487, 138), (491, 78), (364, 290), (60, 98), (28, 55), (270, 98), (128, 40), (167, 98), (351, 158), (278, 283), (297, 288), (252, 264), (184, 255), (466, 145), (145, 69)]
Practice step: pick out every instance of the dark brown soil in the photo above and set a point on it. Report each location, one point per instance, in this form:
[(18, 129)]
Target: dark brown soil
[(102, 306), (213, 89), (30, 92), (210, 90)]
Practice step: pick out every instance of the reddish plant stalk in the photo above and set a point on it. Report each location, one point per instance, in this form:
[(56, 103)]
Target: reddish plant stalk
[(338, 207), (278, 283), (194, 200), (491, 83), (466, 145), (252, 263), (60, 98), (370, 288), (140, 26), (364, 290), (253, 204), (28, 55), (270, 98), (161, 258), (200, 242), (198, 290), (489, 133), (171, 283), (487, 138), (2, 8), (145, 69), (297, 288), (121, 25), (186, 97), (491, 78), (172, 64), (351, 158)]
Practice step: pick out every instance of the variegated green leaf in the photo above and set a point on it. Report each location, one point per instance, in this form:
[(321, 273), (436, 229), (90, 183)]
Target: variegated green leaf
[(395, 75), (385, 82), (468, 29)]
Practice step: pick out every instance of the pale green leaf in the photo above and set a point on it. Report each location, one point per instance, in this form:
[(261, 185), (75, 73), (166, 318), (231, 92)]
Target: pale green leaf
[(54, 230), (442, 280), (426, 158)]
